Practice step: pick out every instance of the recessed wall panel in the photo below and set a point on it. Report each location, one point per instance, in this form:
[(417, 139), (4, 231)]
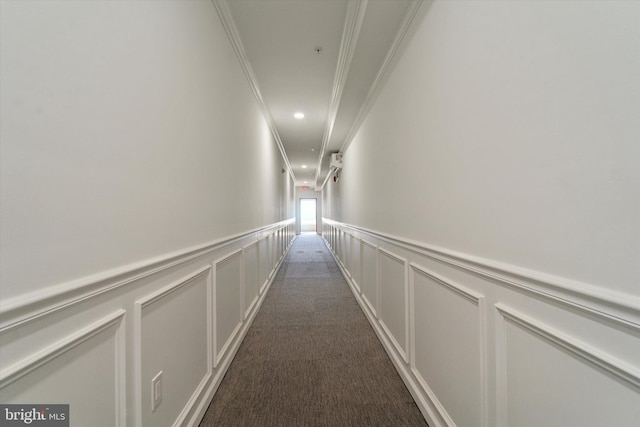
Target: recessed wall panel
[(393, 303), (347, 253), (548, 379), (369, 282), (355, 262), (447, 354), (174, 339), (251, 283), (264, 262), (228, 301), (80, 371)]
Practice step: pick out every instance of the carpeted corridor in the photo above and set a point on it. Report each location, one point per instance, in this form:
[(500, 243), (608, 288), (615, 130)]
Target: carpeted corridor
[(311, 358)]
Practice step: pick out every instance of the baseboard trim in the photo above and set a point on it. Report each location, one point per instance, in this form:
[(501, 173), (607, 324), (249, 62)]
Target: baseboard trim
[(226, 359), (427, 411)]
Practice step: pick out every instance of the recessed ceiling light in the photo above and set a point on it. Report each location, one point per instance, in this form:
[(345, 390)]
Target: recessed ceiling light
[(305, 182), (299, 115), (304, 166)]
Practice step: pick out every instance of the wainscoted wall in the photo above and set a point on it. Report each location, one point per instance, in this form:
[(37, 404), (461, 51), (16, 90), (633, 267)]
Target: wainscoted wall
[(106, 338), (480, 343)]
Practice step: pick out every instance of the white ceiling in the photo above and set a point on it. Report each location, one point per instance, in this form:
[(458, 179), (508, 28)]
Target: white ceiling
[(277, 42)]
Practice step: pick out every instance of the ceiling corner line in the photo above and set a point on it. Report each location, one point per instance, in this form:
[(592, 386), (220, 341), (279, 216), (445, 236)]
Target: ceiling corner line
[(350, 34), (230, 28), (412, 12)]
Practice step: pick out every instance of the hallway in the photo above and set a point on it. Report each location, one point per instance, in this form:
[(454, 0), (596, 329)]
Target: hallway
[(311, 358), (476, 177)]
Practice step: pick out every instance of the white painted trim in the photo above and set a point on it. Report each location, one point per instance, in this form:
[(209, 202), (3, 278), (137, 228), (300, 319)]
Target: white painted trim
[(189, 406), (404, 352), (26, 308), (479, 301), (360, 260), (370, 306), (350, 33), (144, 302), (501, 370), (400, 365), (612, 306), (224, 364), (247, 310), (347, 254), (169, 289), (217, 355), (433, 399), (585, 352), (121, 370), (39, 358), (376, 285), (408, 20), (46, 355), (220, 354), (396, 345), (229, 25), (252, 305), (265, 283)]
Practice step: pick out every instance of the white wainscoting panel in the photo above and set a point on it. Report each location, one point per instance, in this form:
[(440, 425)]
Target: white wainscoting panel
[(548, 377), (347, 254), (273, 253), (394, 300), (355, 262), (578, 365), (173, 330), (370, 276), (228, 303), (251, 277), (448, 357), (263, 257), (159, 314), (86, 367)]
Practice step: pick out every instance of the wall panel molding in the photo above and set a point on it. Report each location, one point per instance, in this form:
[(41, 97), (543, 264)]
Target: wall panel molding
[(149, 300), (45, 356), (400, 364), (149, 284), (193, 400), (40, 358), (604, 355), (32, 306), (225, 361), (252, 303), (585, 352), (573, 349), (226, 18), (476, 299), (403, 350), (376, 288), (218, 354), (610, 306), (389, 59)]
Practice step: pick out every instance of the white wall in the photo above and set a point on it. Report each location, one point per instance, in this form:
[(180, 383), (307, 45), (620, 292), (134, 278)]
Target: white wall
[(128, 132), (143, 206), (494, 192)]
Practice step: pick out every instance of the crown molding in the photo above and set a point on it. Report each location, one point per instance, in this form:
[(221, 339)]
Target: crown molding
[(409, 18), (350, 34), (226, 18)]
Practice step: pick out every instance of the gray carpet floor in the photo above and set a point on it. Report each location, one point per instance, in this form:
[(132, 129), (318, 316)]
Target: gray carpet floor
[(311, 358)]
